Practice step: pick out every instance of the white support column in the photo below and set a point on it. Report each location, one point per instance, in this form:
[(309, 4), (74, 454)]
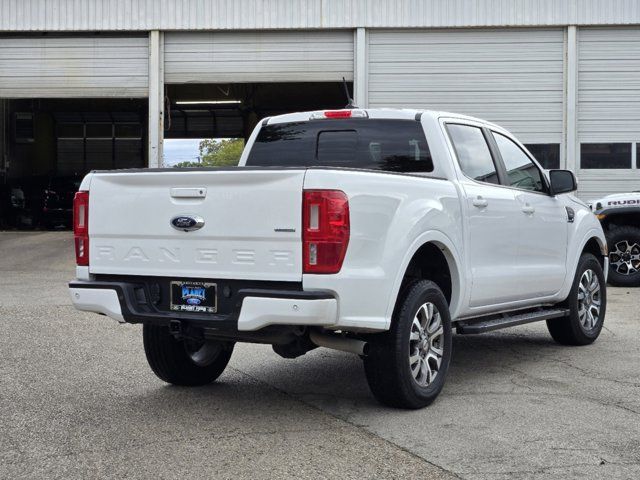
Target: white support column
[(156, 98), (361, 69), (571, 100)]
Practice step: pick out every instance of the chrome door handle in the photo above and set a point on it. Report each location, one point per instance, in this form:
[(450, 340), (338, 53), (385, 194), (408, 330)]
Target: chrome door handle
[(528, 209), (480, 202)]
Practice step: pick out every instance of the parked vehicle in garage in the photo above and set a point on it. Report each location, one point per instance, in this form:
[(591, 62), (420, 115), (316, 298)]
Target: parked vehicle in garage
[(39, 202), (371, 231), (620, 218), (12, 207), (53, 202)]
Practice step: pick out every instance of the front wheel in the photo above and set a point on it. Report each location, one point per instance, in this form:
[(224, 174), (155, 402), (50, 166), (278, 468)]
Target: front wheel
[(408, 366), (184, 362), (587, 304)]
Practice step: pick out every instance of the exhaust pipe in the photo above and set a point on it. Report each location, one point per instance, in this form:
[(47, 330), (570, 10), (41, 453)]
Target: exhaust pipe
[(337, 342)]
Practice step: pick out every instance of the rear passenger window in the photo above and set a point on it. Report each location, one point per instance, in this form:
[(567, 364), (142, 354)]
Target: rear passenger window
[(473, 153), (521, 171)]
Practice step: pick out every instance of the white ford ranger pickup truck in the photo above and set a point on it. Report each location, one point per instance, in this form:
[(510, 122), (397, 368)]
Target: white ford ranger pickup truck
[(373, 231)]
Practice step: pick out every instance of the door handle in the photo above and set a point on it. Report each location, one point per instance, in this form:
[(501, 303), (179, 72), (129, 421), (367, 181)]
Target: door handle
[(480, 202), (197, 192), (528, 209)]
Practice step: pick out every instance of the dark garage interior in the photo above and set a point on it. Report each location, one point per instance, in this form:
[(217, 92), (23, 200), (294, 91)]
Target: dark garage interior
[(233, 110), (48, 145)]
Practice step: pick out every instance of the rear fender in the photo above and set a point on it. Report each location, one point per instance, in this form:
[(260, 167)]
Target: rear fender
[(452, 256)]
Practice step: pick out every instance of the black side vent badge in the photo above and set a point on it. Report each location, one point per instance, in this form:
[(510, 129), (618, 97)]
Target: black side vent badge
[(571, 214)]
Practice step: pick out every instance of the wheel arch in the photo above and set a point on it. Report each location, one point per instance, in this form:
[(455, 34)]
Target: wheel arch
[(430, 254), (592, 240), (597, 247)]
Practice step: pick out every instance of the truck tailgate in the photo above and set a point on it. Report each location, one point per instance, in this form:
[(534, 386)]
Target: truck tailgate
[(251, 230)]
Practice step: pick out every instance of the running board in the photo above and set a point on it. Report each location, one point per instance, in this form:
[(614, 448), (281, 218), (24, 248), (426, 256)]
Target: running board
[(505, 320)]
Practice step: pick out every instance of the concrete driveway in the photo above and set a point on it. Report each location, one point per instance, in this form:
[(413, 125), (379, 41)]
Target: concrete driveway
[(78, 400)]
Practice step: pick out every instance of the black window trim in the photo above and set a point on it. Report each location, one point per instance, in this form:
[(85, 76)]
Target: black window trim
[(497, 159), (455, 149)]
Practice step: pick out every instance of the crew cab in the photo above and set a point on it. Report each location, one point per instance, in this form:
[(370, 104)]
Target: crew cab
[(373, 231)]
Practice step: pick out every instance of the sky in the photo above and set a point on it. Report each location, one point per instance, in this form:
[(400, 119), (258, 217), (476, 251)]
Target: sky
[(178, 150)]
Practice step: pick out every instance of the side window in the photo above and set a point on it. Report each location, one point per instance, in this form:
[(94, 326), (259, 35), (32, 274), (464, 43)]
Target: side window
[(473, 153), (521, 171)]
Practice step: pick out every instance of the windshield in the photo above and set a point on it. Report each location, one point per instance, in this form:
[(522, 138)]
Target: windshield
[(390, 145)]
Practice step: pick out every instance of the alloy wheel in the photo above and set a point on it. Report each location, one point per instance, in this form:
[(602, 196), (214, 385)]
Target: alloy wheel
[(589, 300), (426, 344), (625, 258)]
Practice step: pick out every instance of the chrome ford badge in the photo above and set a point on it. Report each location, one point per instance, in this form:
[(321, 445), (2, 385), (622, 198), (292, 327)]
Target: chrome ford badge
[(187, 223)]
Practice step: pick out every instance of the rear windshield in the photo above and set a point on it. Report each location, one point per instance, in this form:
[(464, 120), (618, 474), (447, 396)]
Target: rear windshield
[(390, 145)]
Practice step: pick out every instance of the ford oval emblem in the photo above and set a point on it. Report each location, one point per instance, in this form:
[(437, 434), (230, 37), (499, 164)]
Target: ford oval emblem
[(187, 223)]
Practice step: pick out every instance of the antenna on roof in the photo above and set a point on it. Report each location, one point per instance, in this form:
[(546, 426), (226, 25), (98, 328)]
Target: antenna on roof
[(350, 102)]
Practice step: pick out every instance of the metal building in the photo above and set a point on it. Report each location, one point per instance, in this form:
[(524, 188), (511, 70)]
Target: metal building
[(99, 84)]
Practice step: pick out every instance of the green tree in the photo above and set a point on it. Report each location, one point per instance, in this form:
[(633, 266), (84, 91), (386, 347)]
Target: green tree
[(217, 153)]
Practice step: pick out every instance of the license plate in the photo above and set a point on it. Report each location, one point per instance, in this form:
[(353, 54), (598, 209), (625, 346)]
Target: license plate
[(200, 297)]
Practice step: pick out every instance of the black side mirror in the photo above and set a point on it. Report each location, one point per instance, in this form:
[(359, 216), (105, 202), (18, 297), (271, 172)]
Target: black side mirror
[(562, 181)]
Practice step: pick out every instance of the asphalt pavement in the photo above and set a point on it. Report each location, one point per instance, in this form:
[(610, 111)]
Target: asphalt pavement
[(79, 401)]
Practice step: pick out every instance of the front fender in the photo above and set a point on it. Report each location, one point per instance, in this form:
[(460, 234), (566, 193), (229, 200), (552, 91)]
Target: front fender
[(586, 229)]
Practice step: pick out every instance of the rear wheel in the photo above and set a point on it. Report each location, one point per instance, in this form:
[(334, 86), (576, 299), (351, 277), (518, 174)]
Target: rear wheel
[(624, 256), (184, 362), (587, 304), (408, 366)]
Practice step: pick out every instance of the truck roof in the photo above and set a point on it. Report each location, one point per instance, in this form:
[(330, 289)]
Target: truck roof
[(387, 113)]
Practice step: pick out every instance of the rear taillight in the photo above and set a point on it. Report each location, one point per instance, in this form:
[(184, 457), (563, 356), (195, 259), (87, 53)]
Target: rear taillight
[(81, 227), (325, 232)]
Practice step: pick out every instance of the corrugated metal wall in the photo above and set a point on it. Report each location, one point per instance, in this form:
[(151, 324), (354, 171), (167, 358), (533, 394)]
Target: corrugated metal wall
[(511, 77), (608, 101), (73, 66), (258, 56), (57, 15), (609, 84)]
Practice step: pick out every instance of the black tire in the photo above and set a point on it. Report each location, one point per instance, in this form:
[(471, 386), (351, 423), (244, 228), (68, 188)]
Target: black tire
[(388, 364), (572, 330), (620, 275), (171, 360)]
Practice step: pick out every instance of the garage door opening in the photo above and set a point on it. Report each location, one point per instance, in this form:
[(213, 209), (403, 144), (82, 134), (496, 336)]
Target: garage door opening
[(208, 124), (48, 145)]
